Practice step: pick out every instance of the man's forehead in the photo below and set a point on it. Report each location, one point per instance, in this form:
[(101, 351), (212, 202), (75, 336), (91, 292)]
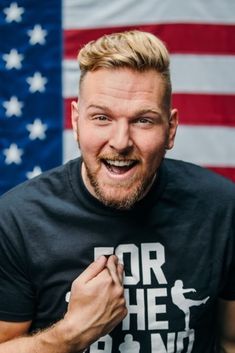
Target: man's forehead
[(123, 83), (106, 74)]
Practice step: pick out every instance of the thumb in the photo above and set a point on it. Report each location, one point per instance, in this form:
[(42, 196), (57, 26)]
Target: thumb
[(93, 269)]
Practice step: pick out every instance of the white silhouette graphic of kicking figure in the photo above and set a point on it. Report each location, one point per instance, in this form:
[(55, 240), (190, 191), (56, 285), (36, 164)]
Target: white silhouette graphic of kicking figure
[(184, 304), (129, 346)]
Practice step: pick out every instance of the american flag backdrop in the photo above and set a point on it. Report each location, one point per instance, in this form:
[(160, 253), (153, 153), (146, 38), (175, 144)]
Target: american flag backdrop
[(39, 76)]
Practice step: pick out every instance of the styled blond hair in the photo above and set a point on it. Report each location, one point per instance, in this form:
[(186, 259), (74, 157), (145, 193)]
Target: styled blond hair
[(137, 50)]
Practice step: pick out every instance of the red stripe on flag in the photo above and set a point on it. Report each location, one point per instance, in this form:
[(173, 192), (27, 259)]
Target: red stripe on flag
[(217, 110), (227, 172), (67, 110), (205, 109), (180, 38)]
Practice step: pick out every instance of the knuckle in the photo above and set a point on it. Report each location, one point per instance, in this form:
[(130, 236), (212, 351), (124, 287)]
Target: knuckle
[(107, 279), (75, 285), (124, 312), (123, 302), (120, 291)]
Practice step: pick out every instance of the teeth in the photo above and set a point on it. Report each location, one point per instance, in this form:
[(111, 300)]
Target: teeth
[(119, 163)]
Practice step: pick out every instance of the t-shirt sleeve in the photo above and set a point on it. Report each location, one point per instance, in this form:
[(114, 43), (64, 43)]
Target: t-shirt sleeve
[(228, 290), (16, 290)]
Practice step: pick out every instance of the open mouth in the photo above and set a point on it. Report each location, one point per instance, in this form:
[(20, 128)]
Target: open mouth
[(119, 166)]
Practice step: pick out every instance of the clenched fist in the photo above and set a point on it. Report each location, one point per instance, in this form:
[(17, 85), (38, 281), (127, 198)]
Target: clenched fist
[(96, 304)]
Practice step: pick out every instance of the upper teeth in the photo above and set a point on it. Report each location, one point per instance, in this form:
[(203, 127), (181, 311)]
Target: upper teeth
[(119, 163)]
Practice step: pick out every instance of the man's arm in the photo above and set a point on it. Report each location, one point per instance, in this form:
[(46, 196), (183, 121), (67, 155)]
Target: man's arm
[(96, 306), (226, 323), (9, 330)]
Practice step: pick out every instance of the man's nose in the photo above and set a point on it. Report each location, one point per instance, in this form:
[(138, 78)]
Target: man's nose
[(121, 138)]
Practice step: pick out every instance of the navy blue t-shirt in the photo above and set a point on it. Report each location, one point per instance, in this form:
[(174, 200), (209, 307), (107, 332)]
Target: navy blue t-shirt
[(176, 244)]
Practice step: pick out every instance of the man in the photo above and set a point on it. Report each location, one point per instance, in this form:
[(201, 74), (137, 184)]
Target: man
[(66, 235)]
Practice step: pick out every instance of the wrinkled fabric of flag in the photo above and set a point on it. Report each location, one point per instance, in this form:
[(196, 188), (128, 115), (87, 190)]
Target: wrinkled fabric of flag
[(39, 77)]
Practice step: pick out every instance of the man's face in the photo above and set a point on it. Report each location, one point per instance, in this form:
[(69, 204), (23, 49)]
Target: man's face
[(123, 130)]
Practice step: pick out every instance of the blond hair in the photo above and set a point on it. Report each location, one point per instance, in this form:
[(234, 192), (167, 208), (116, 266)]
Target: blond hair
[(137, 50)]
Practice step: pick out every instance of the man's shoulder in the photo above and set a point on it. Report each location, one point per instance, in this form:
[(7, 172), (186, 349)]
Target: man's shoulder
[(198, 179), (48, 184)]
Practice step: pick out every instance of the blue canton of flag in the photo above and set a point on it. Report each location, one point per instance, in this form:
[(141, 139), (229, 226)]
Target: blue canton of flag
[(30, 94)]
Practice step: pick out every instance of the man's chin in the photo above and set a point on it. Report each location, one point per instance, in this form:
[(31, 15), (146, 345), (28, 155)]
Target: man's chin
[(120, 204), (119, 199), (118, 194)]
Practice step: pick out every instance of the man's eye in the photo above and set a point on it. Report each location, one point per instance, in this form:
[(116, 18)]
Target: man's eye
[(144, 121), (101, 118)]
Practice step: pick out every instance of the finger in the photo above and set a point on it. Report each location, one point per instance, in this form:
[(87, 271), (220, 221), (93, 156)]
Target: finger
[(93, 269), (120, 271), (112, 266)]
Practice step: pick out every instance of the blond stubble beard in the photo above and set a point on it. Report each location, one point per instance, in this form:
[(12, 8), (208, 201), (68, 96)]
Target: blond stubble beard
[(110, 198)]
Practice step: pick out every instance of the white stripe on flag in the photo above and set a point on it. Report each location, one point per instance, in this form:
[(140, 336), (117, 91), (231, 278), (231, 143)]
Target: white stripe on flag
[(203, 74), (205, 145), (190, 74), (70, 78), (70, 146), (103, 13)]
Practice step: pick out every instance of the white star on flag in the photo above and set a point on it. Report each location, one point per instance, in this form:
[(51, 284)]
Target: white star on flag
[(37, 130), (13, 154), (13, 107), (37, 35), (13, 13), (13, 59), (35, 172), (31, 59), (36, 82)]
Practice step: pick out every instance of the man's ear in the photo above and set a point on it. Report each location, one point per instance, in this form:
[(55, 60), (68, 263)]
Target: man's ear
[(74, 119), (173, 124)]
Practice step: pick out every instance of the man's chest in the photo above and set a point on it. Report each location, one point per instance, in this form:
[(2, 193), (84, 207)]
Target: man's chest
[(169, 289)]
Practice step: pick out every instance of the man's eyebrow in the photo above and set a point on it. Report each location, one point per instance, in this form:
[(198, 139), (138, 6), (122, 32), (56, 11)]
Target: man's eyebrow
[(148, 110), (95, 106), (138, 112)]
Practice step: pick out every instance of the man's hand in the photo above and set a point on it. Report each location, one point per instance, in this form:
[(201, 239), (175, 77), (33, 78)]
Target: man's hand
[(96, 303), (226, 326), (96, 306)]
